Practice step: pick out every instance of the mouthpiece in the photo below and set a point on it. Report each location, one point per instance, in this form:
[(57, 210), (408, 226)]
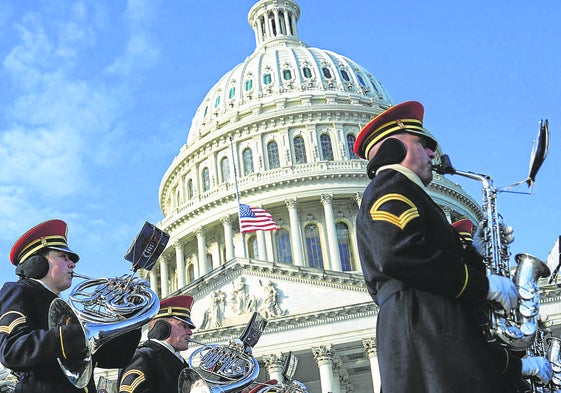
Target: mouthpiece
[(445, 166), (74, 274)]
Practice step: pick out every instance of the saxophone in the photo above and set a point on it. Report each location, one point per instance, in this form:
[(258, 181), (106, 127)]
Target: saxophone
[(515, 329)]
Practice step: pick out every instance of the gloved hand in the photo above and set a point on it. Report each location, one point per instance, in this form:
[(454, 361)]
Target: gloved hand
[(479, 238), (506, 231), (537, 366), (502, 290)]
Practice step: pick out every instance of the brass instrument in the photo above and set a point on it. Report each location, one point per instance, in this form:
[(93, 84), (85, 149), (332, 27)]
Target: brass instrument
[(521, 329), (109, 307), (215, 368)]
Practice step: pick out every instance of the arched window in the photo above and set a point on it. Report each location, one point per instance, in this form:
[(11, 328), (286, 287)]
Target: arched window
[(217, 102), (190, 188), (273, 155), (326, 148), (307, 72), (326, 72), (299, 150), (232, 92), (344, 241), (248, 84), (345, 75), (252, 247), (248, 161), (206, 179), (313, 246), (350, 146), (287, 75), (208, 261), (267, 79), (190, 273), (225, 169), (283, 245)]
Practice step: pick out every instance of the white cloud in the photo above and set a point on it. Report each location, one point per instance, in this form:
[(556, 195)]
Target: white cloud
[(141, 51)]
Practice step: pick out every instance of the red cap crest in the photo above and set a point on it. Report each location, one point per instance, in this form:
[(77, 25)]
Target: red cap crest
[(404, 117), (177, 307), (50, 234)]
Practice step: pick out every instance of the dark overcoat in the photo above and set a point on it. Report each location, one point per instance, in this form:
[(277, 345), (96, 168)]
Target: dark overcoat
[(152, 369), (428, 339), (27, 345)]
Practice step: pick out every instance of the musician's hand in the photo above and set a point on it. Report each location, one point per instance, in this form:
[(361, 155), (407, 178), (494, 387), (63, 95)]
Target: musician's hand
[(502, 290), (507, 231), (537, 366), (479, 239)]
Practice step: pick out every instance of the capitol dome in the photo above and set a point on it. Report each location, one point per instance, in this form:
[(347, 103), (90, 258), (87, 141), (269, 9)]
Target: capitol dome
[(284, 73)]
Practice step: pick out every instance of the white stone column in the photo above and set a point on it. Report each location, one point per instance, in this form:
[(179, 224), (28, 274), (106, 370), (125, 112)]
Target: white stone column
[(153, 281), (295, 233), (261, 249), (369, 345), (324, 358), (180, 263), (287, 23), (334, 255), (228, 237), (164, 284), (274, 365), (339, 374), (277, 23), (201, 247)]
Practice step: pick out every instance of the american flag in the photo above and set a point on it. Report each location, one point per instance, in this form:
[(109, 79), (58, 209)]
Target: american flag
[(255, 219)]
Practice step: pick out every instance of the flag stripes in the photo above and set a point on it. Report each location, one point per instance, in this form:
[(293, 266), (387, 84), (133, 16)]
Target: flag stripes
[(255, 219)]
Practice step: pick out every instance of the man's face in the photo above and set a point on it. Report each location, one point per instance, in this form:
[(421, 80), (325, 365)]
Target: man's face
[(180, 334), (59, 276), (419, 157)]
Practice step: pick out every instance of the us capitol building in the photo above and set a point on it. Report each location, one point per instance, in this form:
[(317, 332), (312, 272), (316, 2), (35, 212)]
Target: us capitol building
[(276, 132)]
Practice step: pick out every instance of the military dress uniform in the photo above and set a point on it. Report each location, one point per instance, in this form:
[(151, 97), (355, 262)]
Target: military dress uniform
[(155, 366), (415, 269), (27, 345)]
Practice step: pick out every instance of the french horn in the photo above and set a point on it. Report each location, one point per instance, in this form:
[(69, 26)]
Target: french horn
[(107, 308), (226, 368)]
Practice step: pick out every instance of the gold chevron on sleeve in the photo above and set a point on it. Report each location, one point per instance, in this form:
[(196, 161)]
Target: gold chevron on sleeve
[(138, 378), (8, 322), (401, 220)]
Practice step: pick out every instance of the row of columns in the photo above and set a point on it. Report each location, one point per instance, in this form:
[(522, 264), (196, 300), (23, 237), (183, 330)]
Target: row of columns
[(296, 237), (265, 29), (333, 376)]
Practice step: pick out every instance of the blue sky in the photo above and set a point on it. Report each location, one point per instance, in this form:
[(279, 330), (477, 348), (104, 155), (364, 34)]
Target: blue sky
[(97, 98)]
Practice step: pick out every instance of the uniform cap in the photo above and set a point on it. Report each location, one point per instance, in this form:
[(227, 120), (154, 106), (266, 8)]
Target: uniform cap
[(404, 117), (464, 228), (50, 235), (178, 307)]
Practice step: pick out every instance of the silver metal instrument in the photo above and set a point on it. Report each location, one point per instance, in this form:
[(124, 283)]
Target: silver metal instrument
[(522, 329), (106, 308), (215, 368), (516, 330)]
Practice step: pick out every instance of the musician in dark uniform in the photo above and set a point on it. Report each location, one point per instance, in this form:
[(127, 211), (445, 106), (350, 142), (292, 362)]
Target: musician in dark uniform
[(413, 264), (157, 363), (44, 263)]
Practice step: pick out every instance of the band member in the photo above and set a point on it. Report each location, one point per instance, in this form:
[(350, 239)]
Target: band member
[(412, 260), (157, 363), (44, 263)]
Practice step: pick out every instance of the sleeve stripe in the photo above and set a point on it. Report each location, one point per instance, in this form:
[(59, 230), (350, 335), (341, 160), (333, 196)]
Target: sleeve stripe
[(465, 282)]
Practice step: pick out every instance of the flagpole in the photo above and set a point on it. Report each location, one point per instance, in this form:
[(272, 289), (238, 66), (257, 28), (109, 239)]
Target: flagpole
[(237, 195)]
